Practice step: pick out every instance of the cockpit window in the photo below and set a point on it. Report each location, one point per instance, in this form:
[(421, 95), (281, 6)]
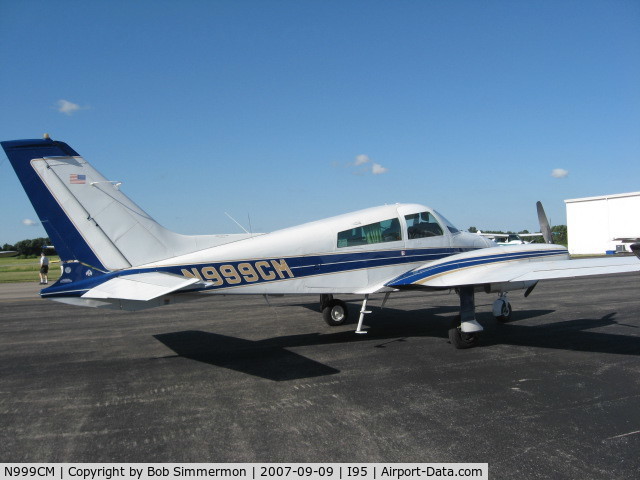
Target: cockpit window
[(379, 232), (421, 225), (449, 225)]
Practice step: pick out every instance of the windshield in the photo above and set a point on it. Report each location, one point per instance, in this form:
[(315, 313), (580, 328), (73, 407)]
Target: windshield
[(449, 225), (421, 225)]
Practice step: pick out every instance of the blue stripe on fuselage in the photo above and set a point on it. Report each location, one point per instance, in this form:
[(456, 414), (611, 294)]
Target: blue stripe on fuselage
[(255, 271)]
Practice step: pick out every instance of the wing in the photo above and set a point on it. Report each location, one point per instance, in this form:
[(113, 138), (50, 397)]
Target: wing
[(518, 263), (526, 235)]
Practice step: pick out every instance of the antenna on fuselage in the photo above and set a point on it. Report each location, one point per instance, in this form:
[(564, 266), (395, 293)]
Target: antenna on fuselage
[(237, 223)]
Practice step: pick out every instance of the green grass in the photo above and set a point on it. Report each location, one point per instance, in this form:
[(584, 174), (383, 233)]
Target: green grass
[(14, 270)]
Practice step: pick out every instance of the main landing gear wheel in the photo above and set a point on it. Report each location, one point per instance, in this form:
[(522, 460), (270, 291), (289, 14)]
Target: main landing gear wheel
[(458, 338), (502, 310), (335, 313)]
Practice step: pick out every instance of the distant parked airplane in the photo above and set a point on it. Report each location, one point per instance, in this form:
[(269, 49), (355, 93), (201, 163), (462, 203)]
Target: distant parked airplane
[(509, 238)]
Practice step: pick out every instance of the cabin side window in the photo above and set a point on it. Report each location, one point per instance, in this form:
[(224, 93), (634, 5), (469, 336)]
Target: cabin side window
[(422, 225), (379, 232)]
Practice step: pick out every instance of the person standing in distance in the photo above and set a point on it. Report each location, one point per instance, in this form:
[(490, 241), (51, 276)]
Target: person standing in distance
[(44, 269)]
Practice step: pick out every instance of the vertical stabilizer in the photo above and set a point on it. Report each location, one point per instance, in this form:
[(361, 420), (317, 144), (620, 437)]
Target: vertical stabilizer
[(87, 217), (38, 164)]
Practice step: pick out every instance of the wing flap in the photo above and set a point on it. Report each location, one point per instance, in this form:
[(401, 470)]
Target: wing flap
[(140, 286)]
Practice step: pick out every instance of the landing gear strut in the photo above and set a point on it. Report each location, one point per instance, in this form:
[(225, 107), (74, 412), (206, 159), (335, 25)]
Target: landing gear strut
[(464, 330)]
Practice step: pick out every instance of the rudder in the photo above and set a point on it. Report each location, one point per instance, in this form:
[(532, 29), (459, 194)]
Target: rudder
[(87, 217), (25, 155)]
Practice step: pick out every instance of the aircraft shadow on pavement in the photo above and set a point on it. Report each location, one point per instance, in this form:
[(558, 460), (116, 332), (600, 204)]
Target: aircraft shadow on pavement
[(570, 335), (257, 358), (355, 308), (270, 358)]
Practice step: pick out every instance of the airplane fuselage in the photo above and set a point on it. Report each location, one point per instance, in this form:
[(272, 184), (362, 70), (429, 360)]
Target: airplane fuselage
[(344, 254)]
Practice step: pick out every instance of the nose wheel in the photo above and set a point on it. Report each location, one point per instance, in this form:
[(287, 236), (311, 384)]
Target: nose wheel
[(502, 309)]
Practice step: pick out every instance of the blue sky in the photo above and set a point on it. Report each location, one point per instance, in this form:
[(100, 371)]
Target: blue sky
[(290, 111)]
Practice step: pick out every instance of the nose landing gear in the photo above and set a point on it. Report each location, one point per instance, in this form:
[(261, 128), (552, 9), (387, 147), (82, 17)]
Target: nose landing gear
[(502, 309)]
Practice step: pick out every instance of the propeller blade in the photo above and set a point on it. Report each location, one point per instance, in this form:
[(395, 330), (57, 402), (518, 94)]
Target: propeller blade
[(545, 229)]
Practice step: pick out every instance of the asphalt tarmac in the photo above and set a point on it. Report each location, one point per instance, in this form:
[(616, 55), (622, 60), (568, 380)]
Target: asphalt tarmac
[(555, 393)]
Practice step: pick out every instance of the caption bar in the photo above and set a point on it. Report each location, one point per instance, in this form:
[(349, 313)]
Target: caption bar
[(243, 471)]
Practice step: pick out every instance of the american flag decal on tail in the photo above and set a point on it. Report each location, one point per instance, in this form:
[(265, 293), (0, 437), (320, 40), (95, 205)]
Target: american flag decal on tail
[(77, 179)]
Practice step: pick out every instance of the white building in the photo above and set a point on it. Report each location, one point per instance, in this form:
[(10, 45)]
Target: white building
[(606, 224)]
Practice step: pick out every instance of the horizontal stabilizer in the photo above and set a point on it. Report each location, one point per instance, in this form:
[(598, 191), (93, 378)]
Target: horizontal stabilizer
[(141, 286)]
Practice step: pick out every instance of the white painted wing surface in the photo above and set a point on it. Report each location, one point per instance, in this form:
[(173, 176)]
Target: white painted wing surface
[(516, 263), (527, 271), (140, 286)]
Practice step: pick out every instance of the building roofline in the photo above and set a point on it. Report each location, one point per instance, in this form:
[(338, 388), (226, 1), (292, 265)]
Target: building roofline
[(603, 197)]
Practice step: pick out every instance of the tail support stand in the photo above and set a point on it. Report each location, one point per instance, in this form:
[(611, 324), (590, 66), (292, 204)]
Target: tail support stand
[(363, 312)]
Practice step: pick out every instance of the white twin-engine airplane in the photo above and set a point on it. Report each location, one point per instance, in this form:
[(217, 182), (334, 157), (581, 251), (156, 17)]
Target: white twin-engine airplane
[(115, 256)]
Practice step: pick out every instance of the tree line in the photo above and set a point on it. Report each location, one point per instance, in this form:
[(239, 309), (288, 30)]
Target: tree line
[(29, 248)]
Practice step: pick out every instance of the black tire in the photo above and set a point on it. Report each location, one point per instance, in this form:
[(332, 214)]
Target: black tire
[(335, 313), (505, 315), (325, 298), (459, 339)]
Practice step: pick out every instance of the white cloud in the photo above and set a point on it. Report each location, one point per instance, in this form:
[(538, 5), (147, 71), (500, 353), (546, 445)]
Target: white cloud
[(559, 173), (361, 160), (29, 223), (363, 165), (378, 169), (67, 107)]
